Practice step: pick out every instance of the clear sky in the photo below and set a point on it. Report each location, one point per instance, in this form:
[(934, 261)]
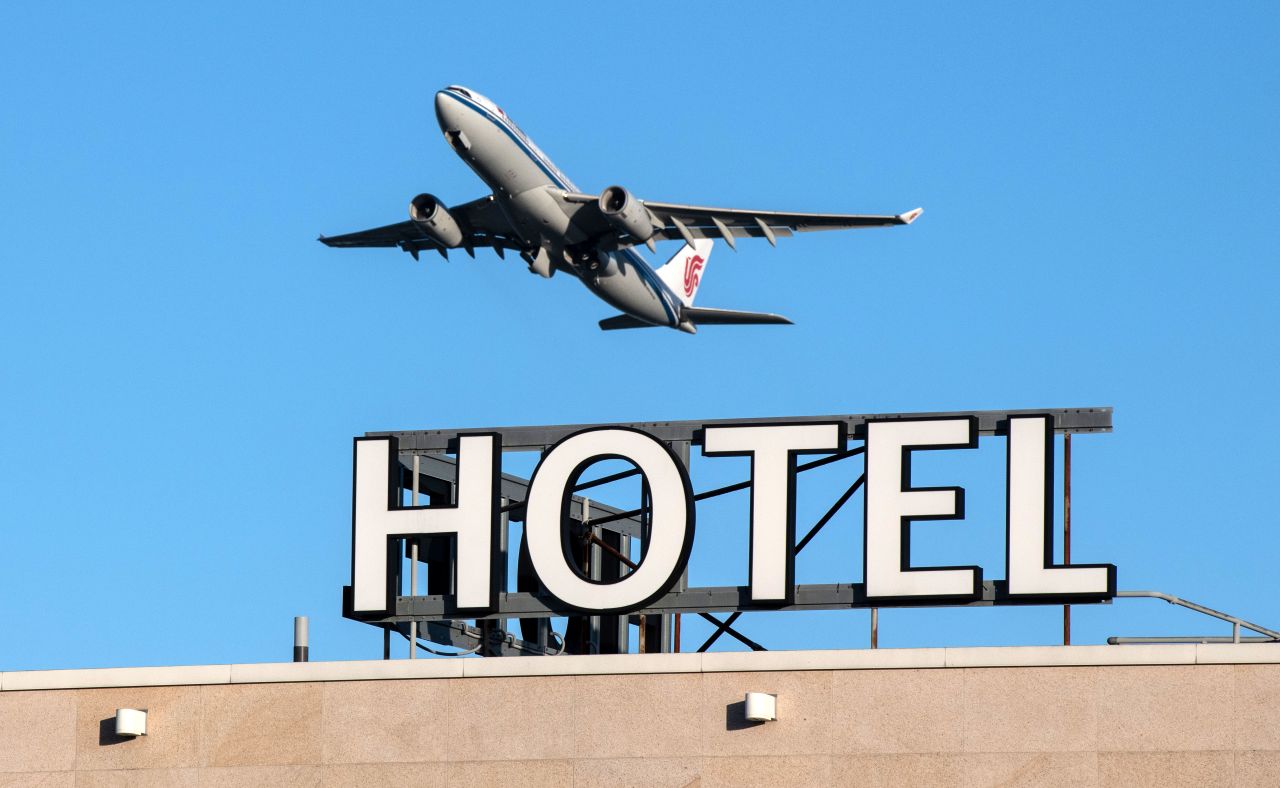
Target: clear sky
[(184, 367)]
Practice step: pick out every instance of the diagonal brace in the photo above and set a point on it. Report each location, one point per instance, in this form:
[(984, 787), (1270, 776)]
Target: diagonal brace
[(723, 627)]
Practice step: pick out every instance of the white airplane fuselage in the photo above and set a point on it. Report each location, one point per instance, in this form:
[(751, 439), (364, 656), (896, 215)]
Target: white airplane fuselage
[(530, 189)]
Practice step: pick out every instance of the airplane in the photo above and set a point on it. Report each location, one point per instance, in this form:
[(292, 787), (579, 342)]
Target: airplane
[(536, 211)]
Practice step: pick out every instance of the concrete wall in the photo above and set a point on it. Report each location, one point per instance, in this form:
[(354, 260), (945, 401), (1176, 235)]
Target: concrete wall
[(1050, 716)]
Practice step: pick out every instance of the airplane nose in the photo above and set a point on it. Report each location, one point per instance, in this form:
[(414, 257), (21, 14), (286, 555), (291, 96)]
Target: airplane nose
[(446, 110), (452, 116)]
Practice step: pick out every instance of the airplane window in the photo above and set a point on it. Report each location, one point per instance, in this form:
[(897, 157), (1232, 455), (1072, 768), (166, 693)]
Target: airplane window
[(461, 90)]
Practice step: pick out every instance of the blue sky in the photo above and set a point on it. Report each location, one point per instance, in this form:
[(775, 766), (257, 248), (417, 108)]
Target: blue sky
[(184, 366)]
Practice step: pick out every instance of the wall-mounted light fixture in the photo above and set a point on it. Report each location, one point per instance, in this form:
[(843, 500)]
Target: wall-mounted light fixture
[(761, 707), (131, 722)]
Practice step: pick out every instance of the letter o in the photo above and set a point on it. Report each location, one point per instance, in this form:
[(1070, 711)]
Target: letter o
[(670, 538)]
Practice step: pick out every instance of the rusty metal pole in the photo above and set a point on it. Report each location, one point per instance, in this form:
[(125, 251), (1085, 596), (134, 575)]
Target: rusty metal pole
[(1066, 529), (675, 645)]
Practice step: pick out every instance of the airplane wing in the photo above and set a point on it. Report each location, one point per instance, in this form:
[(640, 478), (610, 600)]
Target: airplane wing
[(482, 223), (686, 222)]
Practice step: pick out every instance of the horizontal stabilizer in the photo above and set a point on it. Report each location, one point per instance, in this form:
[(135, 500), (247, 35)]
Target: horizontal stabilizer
[(623, 321), (699, 316), (729, 317)]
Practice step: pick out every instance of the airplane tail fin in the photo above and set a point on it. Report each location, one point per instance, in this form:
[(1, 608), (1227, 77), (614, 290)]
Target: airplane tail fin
[(683, 272)]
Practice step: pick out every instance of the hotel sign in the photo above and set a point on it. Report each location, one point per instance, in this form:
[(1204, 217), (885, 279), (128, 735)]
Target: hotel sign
[(891, 503)]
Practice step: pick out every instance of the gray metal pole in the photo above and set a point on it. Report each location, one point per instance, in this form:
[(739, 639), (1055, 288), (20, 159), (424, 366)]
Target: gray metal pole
[(875, 627), (504, 547), (300, 637), (1066, 529), (594, 570), (413, 564)]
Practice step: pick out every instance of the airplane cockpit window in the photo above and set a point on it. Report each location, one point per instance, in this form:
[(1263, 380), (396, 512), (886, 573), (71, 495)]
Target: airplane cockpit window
[(486, 103), (477, 98)]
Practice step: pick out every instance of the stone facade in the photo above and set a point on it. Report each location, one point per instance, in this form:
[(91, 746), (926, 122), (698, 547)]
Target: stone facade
[(1060, 717)]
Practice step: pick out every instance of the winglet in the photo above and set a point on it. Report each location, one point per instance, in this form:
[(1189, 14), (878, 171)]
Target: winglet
[(910, 216)]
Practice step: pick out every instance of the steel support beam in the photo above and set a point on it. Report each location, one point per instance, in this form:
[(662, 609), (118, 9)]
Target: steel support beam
[(542, 438), (708, 599)]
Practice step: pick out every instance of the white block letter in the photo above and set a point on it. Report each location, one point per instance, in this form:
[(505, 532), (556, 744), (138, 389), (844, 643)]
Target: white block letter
[(892, 504), (377, 517), (1029, 521), (670, 538), (773, 449)]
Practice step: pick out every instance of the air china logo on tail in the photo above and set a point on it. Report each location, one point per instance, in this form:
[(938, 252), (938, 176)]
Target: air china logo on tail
[(692, 273)]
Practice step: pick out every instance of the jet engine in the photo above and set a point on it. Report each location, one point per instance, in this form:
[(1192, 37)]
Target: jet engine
[(625, 213), (435, 220)]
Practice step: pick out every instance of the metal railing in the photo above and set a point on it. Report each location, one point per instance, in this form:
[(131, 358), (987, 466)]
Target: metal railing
[(1269, 635)]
